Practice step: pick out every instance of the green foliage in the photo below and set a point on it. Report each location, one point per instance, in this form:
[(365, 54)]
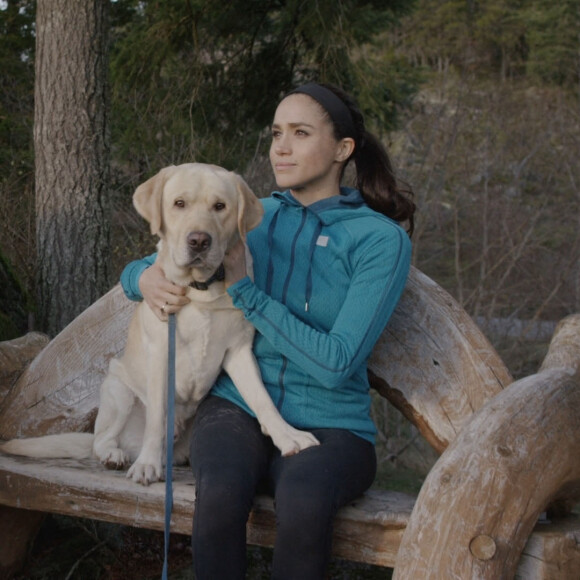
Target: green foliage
[(199, 80), (502, 38), (554, 42), (17, 86), (500, 29), (16, 151), (14, 304)]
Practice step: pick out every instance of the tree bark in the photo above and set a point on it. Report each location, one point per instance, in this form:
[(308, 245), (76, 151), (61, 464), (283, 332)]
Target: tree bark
[(518, 454), (71, 144)]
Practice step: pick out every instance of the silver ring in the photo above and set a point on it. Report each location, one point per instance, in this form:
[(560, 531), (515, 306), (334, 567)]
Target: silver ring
[(163, 308)]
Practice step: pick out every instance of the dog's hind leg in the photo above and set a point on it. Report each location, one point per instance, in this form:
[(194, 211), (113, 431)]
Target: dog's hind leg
[(116, 404)]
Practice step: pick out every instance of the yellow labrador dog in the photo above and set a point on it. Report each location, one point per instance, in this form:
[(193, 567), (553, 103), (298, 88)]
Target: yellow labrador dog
[(198, 211)]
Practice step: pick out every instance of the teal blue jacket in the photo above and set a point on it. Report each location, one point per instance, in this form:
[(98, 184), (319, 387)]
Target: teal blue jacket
[(327, 277)]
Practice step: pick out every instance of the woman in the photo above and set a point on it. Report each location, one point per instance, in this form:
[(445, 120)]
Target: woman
[(330, 264)]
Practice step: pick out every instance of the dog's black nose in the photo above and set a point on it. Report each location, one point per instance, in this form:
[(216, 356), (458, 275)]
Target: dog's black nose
[(199, 241)]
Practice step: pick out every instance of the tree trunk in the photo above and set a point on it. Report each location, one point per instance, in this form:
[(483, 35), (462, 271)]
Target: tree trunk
[(72, 158)]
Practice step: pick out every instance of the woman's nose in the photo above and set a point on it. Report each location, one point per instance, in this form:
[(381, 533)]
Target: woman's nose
[(282, 146)]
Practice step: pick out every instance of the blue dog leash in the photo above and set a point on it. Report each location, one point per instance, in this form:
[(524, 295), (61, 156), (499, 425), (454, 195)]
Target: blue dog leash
[(169, 437)]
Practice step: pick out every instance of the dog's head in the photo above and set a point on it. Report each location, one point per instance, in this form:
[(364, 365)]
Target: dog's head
[(198, 211)]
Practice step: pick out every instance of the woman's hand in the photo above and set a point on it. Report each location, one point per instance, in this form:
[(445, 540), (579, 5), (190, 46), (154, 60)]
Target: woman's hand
[(161, 295), (235, 264)]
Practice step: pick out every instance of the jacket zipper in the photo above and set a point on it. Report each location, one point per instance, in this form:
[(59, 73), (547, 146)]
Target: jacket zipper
[(282, 374)]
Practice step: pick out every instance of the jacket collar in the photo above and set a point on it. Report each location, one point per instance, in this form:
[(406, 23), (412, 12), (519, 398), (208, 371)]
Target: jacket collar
[(349, 198)]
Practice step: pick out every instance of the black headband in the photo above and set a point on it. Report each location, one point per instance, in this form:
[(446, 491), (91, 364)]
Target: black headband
[(332, 104)]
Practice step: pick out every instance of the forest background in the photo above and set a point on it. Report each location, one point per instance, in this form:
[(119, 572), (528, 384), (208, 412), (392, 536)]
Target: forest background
[(477, 101)]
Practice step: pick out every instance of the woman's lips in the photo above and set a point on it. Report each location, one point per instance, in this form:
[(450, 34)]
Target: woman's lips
[(283, 166)]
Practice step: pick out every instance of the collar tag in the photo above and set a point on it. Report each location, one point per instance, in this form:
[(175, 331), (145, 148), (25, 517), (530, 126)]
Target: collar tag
[(322, 241)]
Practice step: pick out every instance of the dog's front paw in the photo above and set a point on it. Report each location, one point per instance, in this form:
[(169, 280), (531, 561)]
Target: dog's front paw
[(145, 473), (291, 441), (113, 459)]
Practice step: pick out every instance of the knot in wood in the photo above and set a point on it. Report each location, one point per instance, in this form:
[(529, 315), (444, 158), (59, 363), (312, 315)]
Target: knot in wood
[(504, 450), (483, 547)]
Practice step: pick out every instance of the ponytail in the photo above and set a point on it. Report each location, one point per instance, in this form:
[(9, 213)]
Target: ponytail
[(376, 181)]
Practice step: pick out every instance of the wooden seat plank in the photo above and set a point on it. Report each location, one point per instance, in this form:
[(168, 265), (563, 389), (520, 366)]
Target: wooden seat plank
[(369, 530)]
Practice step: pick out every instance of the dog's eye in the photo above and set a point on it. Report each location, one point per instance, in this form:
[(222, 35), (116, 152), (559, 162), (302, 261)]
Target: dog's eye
[(179, 203), (219, 206)]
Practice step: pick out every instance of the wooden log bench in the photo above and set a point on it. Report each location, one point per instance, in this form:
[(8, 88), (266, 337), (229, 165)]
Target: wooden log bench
[(370, 530), (509, 450)]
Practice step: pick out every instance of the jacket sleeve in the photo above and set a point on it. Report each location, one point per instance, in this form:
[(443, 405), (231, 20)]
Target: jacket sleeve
[(331, 357), (131, 274)]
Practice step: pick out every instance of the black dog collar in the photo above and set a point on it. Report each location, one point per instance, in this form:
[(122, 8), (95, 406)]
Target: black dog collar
[(218, 276)]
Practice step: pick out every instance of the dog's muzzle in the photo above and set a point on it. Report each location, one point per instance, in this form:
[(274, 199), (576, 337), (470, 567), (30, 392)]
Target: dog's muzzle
[(199, 241)]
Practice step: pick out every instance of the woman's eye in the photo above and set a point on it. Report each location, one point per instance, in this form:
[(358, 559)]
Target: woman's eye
[(179, 203), (219, 206)]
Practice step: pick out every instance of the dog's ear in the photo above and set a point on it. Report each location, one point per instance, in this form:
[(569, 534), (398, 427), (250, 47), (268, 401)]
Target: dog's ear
[(148, 197), (250, 210)]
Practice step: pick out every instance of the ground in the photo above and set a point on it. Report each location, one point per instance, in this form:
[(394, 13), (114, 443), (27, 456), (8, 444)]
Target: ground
[(76, 549)]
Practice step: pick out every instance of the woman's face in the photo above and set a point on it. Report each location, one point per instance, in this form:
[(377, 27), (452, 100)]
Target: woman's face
[(304, 154)]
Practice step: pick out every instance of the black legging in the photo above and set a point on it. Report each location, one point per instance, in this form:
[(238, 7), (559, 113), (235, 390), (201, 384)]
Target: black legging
[(231, 459)]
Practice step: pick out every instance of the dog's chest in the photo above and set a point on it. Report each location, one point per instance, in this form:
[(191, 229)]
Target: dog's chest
[(203, 338)]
